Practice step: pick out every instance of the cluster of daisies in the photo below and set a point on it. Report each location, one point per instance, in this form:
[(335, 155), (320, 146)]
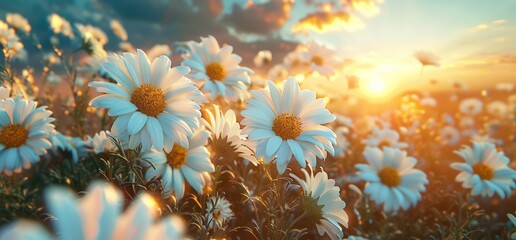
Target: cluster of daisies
[(186, 120)]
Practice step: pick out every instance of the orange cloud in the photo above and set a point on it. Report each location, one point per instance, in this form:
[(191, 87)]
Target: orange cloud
[(327, 21)]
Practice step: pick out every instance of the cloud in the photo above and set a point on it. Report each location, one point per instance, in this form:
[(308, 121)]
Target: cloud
[(259, 18), (327, 21)]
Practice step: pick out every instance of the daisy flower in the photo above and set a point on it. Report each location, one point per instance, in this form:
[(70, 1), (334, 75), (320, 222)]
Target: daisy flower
[(218, 212), (97, 215), (288, 123), (485, 171), (263, 58), (342, 142), (384, 137), (181, 164), (100, 142), (75, 146), (60, 25), (471, 106), (427, 58), (159, 50), (323, 204), (153, 103), (18, 22), (217, 70), (497, 109), (24, 133), (226, 139), (95, 32), (118, 29), (449, 135), (391, 178), (277, 73), (320, 58)]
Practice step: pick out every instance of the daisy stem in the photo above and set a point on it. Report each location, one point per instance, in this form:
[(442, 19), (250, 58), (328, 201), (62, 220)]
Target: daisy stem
[(293, 223)]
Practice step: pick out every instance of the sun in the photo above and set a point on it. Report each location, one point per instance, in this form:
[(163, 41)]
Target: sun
[(374, 87)]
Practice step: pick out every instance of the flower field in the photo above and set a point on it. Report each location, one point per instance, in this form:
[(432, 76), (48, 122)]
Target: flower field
[(107, 132)]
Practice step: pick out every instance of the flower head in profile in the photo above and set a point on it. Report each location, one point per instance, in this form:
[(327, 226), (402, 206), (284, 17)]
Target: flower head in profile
[(24, 133), (101, 142), (263, 58), (226, 138), (153, 103), (288, 123), (118, 29), (471, 106), (60, 25), (384, 137), (216, 70), (181, 164), (427, 58), (218, 212), (18, 22), (323, 204), (98, 215), (95, 32), (74, 146), (391, 178), (10, 41), (159, 50), (485, 171)]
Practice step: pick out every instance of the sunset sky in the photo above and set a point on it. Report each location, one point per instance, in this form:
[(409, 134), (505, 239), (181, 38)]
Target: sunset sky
[(475, 40)]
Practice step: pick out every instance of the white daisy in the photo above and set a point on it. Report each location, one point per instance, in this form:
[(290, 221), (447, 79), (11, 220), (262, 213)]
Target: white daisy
[(18, 22), (60, 25), (277, 73), (428, 102), (323, 204), (263, 58), (180, 164), (321, 58), (24, 133), (288, 122), (486, 170), (97, 215), (342, 142), (5, 92), (471, 106), (118, 29), (497, 109), (100, 142), (449, 135), (218, 212), (74, 146), (427, 58), (153, 103), (391, 178), (95, 32), (159, 50), (217, 70), (226, 140), (384, 137)]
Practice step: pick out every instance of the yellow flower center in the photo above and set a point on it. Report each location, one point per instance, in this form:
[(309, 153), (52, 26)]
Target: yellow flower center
[(384, 143), (177, 157), (216, 71), (149, 100), (287, 126), (13, 136), (484, 171), (317, 60), (389, 176)]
